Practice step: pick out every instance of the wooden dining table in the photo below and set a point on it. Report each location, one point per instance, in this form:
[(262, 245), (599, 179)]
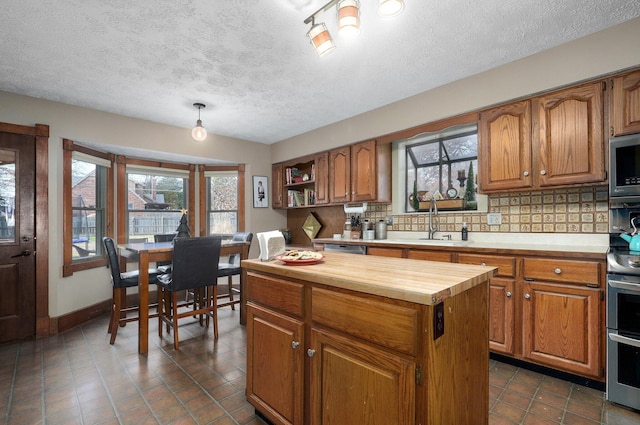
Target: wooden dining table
[(145, 253)]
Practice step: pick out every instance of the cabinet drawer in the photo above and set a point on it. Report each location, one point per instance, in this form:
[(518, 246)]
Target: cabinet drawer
[(385, 324), (417, 254), (279, 294), (506, 265), (568, 271)]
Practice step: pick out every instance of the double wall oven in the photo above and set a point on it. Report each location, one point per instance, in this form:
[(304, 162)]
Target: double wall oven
[(623, 273)]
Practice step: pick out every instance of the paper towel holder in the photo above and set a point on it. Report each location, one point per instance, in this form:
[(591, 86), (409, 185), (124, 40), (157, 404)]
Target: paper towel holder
[(355, 208)]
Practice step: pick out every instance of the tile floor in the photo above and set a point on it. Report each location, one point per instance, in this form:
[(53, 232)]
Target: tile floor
[(78, 378)]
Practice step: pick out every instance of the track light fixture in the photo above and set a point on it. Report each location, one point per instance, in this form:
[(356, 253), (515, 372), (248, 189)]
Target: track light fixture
[(348, 12), (198, 132)]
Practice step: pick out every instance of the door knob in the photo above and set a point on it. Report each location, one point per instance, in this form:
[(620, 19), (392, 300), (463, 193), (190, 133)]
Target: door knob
[(295, 344), (527, 296), (311, 352), (24, 253), (508, 294)]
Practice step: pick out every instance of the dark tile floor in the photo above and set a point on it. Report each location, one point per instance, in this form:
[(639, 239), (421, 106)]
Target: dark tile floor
[(78, 378)]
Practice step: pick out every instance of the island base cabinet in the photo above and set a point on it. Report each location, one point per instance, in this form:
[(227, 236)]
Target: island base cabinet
[(275, 365), (354, 383), (561, 327)]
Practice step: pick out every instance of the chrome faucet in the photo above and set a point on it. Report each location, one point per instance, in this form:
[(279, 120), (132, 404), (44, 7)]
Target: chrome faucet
[(433, 211)]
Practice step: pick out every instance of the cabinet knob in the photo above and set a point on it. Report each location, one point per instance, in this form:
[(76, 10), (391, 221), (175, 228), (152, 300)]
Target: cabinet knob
[(295, 344), (310, 352), (483, 264), (526, 173), (527, 296), (558, 270), (508, 294), (543, 172)]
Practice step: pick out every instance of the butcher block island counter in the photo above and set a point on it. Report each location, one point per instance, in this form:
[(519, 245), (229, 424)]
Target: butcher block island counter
[(368, 340)]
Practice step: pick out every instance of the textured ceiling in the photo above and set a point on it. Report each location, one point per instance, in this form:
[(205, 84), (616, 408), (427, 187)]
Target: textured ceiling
[(250, 62)]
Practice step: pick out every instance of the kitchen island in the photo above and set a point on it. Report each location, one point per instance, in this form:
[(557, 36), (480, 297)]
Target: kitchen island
[(368, 340)]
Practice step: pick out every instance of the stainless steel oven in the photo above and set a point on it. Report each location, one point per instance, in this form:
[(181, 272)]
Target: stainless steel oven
[(623, 307)]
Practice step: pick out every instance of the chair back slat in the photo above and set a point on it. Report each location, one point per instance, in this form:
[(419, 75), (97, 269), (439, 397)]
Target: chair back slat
[(239, 237), (112, 257), (195, 262)]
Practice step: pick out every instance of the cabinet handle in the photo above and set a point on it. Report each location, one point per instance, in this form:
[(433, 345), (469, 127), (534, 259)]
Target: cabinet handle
[(527, 296), (557, 270), (310, 352), (526, 173), (295, 344), (508, 294), (483, 264), (543, 172)]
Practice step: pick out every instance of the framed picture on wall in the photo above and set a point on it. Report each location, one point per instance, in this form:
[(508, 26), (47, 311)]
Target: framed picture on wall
[(260, 192)]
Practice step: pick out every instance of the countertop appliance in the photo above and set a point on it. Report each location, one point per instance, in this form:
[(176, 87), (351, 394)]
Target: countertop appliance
[(351, 249), (623, 308), (624, 166)]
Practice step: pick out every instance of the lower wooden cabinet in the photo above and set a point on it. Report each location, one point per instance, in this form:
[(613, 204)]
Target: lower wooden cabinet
[(275, 364), (502, 316), (348, 377), (561, 327)]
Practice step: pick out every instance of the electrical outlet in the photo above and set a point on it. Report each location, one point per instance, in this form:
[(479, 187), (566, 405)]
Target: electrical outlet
[(389, 220), (494, 219), (438, 320)]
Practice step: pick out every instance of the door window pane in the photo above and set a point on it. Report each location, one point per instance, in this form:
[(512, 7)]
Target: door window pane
[(7, 195)]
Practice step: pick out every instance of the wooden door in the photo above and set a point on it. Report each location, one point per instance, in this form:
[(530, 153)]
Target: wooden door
[(275, 364), (569, 140), (504, 147), (347, 375), (17, 236), (277, 187), (363, 171), (501, 315), (561, 327), (322, 178), (626, 105), (340, 175)]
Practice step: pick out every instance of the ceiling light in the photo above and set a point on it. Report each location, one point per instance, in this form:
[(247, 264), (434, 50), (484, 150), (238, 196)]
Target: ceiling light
[(348, 21), (199, 133), (321, 39), (390, 7), (349, 18)]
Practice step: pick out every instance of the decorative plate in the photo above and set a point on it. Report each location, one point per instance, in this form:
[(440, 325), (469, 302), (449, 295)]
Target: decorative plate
[(311, 226), (299, 262)]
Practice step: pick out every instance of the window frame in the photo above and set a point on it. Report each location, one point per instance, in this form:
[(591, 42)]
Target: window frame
[(122, 189), (204, 196), (70, 265)]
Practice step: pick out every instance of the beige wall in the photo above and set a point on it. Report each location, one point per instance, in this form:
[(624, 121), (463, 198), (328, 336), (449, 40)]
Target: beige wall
[(84, 125), (601, 53)]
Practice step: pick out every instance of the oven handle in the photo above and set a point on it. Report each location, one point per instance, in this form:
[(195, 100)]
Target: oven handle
[(624, 340), (623, 285)]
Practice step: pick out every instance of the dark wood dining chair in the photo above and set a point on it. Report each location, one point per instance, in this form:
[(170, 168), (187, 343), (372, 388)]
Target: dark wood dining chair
[(232, 268), (121, 281), (194, 267), (164, 266)]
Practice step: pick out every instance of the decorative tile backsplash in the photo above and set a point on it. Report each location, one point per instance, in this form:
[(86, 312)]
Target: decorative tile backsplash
[(574, 210)]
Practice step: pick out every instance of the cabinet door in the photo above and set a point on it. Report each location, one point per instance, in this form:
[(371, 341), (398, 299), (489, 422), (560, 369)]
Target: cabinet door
[(275, 365), (340, 175), (347, 378), (277, 187), (626, 104), (322, 178), (363, 171), (501, 315), (505, 147), (561, 327), (569, 140)]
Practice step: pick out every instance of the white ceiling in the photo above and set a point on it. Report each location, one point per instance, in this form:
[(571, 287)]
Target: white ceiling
[(251, 63)]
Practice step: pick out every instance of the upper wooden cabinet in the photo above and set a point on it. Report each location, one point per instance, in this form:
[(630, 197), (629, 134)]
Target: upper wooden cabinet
[(360, 173), (322, 178), (504, 147), (569, 140), (547, 141), (625, 105)]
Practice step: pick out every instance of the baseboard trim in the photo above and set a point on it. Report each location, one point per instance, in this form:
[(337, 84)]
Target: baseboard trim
[(79, 317)]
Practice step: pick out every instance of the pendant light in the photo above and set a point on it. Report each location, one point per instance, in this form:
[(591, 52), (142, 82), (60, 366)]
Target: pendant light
[(390, 7), (199, 133), (349, 18), (321, 39)]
